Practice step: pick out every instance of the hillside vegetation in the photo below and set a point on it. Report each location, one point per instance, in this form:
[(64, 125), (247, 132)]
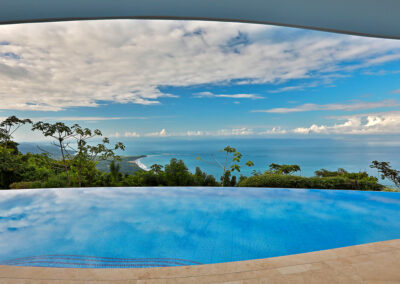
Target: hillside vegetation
[(80, 162)]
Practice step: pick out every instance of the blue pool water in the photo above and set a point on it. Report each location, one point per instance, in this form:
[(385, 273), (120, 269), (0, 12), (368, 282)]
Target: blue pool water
[(150, 227)]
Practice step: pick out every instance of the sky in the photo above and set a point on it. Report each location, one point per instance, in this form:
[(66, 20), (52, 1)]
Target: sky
[(148, 78)]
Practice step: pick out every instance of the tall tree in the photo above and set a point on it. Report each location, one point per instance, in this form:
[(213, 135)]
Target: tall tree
[(387, 172), (115, 171), (10, 160), (76, 153), (62, 134), (87, 155), (177, 174), (283, 169), (231, 163), (8, 127)]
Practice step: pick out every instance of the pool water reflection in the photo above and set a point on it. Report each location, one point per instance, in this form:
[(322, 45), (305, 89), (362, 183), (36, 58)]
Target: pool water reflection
[(150, 227)]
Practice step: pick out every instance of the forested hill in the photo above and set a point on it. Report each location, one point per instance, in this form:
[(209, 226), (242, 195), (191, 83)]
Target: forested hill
[(127, 164)]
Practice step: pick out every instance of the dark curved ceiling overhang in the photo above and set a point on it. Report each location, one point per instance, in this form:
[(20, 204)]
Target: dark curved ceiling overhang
[(376, 18)]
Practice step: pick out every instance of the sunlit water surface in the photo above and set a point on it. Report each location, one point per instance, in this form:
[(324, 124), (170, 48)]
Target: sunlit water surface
[(149, 227)]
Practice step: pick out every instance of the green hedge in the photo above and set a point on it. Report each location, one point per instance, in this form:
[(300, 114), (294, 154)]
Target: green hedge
[(52, 182), (289, 181), (25, 185)]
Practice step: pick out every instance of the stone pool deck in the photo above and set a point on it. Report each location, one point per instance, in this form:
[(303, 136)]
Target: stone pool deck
[(370, 263)]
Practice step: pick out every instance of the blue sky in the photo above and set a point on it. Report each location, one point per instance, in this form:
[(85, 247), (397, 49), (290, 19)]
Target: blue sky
[(138, 79)]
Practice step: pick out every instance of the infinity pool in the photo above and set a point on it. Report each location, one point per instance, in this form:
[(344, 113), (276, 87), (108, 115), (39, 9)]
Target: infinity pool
[(152, 227)]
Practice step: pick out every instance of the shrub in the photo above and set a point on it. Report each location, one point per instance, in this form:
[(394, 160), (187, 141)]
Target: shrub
[(25, 185), (288, 181), (55, 181)]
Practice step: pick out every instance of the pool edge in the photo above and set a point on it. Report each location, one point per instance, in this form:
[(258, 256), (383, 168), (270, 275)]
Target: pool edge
[(361, 263)]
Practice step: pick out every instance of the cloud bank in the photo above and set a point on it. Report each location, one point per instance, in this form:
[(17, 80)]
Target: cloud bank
[(230, 96), (342, 107), (55, 66), (374, 123)]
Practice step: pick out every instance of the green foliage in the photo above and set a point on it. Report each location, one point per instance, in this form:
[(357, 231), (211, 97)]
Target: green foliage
[(174, 174), (389, 189), (25, 185), (79, 160), (360, 176), (115, 172), (79, 163), (230, 165), (8, 127), (177, 174), (39, 167), (290, 181), (126, 164), (156, 169), (280, 176), (55, 182), (227, 180), (326, 173), (202, 179), (61, 133), (387, 172), (11, 167), (283, 169)]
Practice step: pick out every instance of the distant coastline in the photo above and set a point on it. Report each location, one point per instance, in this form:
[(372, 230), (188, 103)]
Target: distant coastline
[(138, 162), (128, 164)]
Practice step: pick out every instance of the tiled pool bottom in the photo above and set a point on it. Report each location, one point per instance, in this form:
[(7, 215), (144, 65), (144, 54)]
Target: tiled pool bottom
[(157, 227), (97, 262)]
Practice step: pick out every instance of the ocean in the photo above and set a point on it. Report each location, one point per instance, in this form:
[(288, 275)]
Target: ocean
[(310, 154)]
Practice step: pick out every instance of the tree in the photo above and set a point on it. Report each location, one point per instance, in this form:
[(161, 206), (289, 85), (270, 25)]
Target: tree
[(61, 133), (202, 179), (357, 176), (81, 157), (326, 173), (10, 158), (115, 171), (387, 172), (7, 129), (177, 174), (86, 156), (11, 167), (156, 169), (283, 169), (231, 163)]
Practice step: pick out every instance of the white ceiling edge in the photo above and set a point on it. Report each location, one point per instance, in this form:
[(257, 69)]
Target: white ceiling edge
[(375, 18)]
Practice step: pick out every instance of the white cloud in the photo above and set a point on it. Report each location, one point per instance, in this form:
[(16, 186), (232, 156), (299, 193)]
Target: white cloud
[(343, 107), (131, 134), (395, 91), (305, 86), (195, 133), (274, 130), (313, 128), (87, 118), (373, 123), (116, 135), (55, 66), (234, 96), (242, 131), (125, 134), (235, 132), (162, 133), (287, 89)]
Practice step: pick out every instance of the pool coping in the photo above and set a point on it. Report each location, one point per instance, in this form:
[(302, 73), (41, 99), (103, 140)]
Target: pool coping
[(372, 262)]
